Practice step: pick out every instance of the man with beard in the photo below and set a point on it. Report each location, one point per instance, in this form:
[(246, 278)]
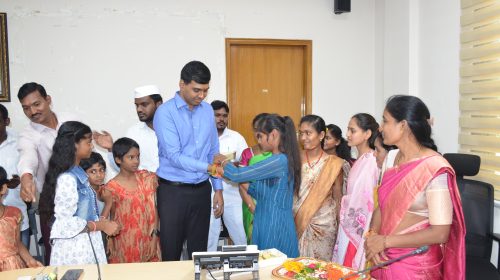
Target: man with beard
[(35, 147), (147, 100), (231, 144)]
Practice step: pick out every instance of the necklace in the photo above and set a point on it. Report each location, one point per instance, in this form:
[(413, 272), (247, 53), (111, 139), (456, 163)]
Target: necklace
[(314, 164)]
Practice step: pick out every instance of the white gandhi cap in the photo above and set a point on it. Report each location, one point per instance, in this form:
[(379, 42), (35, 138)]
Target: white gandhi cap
[(146, 91)]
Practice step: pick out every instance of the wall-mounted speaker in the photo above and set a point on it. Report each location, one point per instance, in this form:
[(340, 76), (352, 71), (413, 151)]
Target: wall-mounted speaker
[(342, 6)]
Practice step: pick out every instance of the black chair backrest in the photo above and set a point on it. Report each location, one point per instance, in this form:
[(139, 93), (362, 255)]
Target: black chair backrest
[(477, 203)]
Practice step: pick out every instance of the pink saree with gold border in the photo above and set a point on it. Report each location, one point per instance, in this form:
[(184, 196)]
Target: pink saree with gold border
[(400, 185)]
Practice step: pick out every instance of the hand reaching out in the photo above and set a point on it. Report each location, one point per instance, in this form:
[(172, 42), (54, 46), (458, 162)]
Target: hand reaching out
[(103, 140), (218, 159), (28, 189), (33, 263), (220, 171)]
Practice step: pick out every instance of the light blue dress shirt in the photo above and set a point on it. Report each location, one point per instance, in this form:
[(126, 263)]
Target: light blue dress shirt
[(187, 141)]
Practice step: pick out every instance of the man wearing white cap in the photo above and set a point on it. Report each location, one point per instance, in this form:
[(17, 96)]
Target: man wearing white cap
[(147, 100)]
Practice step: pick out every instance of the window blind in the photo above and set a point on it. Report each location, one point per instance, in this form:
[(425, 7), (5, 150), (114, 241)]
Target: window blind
[(480, 86)]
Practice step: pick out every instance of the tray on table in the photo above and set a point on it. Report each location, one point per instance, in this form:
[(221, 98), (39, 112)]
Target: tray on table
[(310, 268)]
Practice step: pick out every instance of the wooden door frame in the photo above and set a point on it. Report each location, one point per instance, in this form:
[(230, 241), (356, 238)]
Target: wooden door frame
[(306, 44)]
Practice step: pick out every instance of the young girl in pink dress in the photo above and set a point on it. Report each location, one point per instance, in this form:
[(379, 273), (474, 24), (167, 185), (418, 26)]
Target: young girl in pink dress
[(13, 254), (133, 196)]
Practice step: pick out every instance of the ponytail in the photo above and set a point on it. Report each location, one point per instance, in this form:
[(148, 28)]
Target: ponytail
[(290, 147), (342, 150), (288, 143)]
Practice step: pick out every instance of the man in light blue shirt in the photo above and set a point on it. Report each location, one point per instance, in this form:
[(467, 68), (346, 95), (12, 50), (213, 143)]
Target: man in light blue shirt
[(187, 144)]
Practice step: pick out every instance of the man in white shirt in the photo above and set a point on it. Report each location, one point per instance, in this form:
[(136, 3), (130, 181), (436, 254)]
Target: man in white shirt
[(147, 100), (9, 158), (35, 145), (231, 144)]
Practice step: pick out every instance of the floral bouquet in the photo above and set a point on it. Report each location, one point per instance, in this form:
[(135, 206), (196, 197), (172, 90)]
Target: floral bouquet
[(312, 269)]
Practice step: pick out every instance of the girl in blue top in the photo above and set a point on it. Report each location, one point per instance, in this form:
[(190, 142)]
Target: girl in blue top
[(70, 202), (274, 182)]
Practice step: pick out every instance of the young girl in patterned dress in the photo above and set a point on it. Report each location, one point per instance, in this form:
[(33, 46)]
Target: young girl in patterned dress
[(13, 254), (133, 194), (69, 201)]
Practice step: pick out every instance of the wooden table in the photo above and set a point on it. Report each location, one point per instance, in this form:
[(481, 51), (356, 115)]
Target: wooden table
[(182, 270)]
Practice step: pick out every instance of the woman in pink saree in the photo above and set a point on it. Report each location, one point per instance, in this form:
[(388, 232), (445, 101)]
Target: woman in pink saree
[(419, 203)]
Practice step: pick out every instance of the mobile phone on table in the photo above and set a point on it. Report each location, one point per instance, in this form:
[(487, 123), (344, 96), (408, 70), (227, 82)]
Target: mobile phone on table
[(72, 274)]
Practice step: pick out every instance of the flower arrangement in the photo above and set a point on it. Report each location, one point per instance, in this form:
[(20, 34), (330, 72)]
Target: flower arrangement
[(312, 269)]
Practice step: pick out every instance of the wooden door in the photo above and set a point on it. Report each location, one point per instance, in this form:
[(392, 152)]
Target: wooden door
[(272, 76)]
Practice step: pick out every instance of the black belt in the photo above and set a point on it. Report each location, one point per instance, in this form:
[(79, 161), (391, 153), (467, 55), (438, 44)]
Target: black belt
[(173, 183)]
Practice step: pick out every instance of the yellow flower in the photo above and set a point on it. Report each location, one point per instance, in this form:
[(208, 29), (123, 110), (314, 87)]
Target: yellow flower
[(293, 266)]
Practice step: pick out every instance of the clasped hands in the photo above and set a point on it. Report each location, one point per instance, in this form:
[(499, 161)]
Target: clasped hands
[(375, 245), (216, 169)]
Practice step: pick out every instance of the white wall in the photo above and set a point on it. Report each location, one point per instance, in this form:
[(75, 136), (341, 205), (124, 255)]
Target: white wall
[(421, 58), (439, 68), (396, 48), (90, 55)]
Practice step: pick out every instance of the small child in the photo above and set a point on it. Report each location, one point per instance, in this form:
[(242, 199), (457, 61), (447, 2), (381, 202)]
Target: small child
[(95, 167), (13, 254), (133, 195)]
